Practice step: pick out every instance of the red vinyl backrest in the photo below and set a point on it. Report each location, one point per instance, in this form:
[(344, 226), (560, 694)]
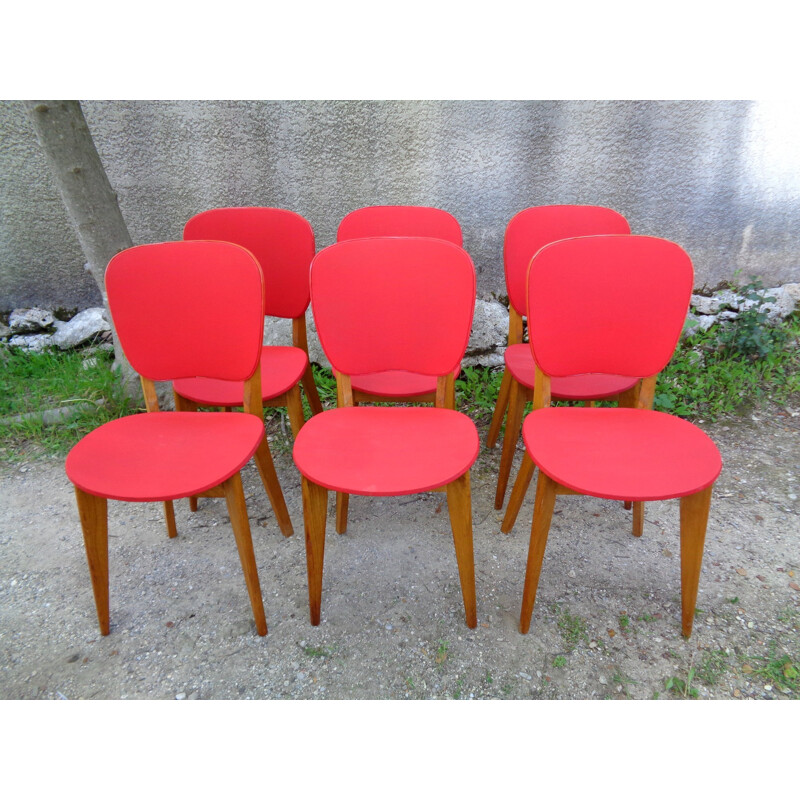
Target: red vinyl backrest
[(282, 241), (188, 309), (533, 228), (613, 304), (394, 303), (400, 221)]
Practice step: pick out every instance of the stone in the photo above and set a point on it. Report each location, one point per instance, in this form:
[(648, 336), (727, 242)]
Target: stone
[(783, 305), (30, 320), (35, 342), (81, 328), (489, 335), (5, 331), (706, 305)]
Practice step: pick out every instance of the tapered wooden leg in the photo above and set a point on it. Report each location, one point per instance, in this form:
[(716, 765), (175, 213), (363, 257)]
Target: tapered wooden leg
[(542, 514), (459, 504), (269, 478), (310, 388), (93, 512), (627, 505), (192, 504), (169, 516), (237, 510), (342, 504), (518, 493), (295, 407), (499, 409), (516, 409), (694, 519), (315, 513), (638, 518)]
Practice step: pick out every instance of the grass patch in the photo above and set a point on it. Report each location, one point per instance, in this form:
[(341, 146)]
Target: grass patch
[(572, 628), (713, 666), (782, 671), (34, 382)]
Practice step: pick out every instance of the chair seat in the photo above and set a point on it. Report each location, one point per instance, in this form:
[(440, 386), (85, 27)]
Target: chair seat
[(281, 369), (394, 383), (386, 450), (594, 386), (163, 455), (621, 453)]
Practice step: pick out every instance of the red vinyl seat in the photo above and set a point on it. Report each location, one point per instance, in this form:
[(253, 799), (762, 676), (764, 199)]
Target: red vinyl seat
[(386, 305), (519, 363), (386, 451)]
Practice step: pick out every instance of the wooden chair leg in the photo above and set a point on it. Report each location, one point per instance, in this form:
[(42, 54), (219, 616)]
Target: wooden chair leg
[(342, 504), (192, 504), (542, 514), (627, 505), (518, 493), (516, 410), (310, 387), (93, 512), (499, 410), (237, 510), (315, 513), (459, 505), (694, 519), (269, 478), (295, 406), (169, 516), (638, 518)]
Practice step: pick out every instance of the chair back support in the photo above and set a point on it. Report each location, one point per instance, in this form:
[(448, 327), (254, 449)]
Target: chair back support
[(282, 241), (612, 304), (188, 309), (394, 303), (533, 228), (400, 221)]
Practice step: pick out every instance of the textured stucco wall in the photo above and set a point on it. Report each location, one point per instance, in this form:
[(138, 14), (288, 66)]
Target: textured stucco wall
[(720, 178)]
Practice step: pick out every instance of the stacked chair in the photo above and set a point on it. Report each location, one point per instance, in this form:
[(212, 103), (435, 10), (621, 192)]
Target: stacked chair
[(393, 302)]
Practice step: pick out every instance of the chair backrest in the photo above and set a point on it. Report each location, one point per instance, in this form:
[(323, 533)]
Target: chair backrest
[(188, 309), (282, 241), (533, 228), (613, 304), (393, 303), (400, 221)]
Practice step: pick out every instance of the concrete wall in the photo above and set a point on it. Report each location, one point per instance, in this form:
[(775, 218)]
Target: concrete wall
[(720, 178)]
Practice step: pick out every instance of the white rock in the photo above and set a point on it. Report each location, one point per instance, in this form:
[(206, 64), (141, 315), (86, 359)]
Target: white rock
[(489, 334), (81, 328), (35, 342), (30, 320)]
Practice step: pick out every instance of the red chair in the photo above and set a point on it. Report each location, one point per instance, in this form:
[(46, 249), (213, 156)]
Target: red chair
[(628, 301), (283, 243), (162, 299), (390, 304), (528, 231), (395, 385)]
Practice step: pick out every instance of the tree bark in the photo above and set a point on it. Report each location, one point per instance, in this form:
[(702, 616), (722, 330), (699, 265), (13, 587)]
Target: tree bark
[(90, 201)]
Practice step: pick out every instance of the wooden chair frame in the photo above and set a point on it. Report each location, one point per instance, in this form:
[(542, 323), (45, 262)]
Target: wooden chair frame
[(694, 510), (459, 504), (93, 511)]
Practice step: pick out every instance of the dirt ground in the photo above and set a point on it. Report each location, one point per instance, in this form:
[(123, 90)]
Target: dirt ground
[(606, 623)]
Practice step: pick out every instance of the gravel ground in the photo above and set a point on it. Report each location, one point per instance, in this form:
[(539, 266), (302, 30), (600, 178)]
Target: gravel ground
[(606, 623)]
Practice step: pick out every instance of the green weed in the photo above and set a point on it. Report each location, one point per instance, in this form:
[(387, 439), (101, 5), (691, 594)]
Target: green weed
[(680, 687), (713, 667), (624, 621), (782, 671), (559, 661), (573, 629), (317, 652)]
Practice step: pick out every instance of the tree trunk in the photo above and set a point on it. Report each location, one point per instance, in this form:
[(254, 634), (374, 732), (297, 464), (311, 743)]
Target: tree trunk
[(90, 201)]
